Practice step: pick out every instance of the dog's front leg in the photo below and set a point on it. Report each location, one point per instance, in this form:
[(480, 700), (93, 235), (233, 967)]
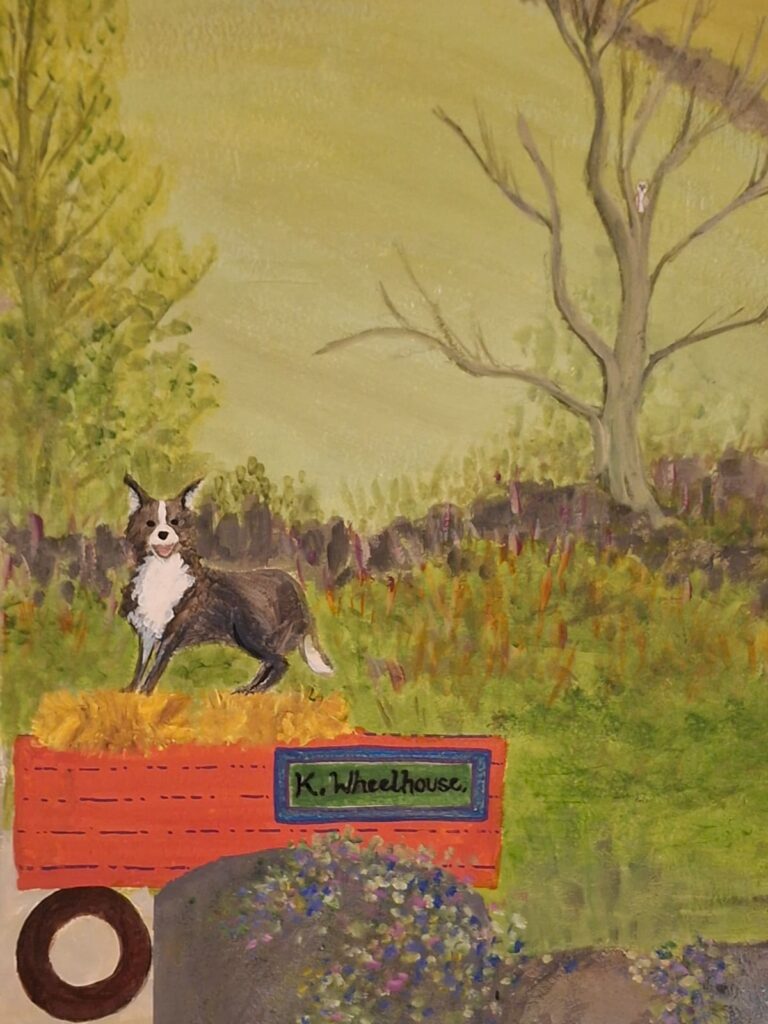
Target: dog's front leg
[(146, 647), (165, 651)]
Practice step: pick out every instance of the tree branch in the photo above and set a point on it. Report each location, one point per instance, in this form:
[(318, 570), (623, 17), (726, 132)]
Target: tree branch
[(738, 97), (685, 142), (389, 303), (5, 202), (67, 287), (491, 169), (627, 10), (446, 332), (45, 134), (578, 324), (477, 363), (608, 209), (555, 8), (492, 166), (483, 347), (661, 84), (8, 146), (593, 21), (472, 366), (77, 236), (696, 335), (86, 113), (756, 188), (623, 173)]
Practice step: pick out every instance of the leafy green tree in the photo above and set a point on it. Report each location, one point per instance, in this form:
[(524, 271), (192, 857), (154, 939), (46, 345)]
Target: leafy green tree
[(92, 380)]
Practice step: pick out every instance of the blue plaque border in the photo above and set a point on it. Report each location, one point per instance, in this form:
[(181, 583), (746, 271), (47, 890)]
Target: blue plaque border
[(475, 810)]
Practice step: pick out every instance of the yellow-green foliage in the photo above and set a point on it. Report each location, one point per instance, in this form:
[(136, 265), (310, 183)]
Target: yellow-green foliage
[(295, 501), (111, 721), (541, 443), (544, 621), (88, 276), (635, 715)]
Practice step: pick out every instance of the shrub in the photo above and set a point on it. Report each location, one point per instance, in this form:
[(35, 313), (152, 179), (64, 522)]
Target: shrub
[(691, 982), (295, 501), (405, 940)]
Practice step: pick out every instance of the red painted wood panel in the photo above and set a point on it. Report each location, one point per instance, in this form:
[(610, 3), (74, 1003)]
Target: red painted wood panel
[(134, 820)]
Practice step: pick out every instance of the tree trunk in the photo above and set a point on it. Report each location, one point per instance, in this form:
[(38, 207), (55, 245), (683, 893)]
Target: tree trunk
[(600, 445), (623, 472)]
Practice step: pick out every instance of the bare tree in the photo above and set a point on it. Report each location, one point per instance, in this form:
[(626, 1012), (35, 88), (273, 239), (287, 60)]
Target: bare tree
[(597, 35)]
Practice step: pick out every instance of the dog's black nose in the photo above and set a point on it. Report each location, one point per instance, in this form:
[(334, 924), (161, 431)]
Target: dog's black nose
[(163, 534)]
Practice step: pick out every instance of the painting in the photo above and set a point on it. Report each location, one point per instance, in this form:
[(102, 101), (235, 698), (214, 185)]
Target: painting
[(384, 516)]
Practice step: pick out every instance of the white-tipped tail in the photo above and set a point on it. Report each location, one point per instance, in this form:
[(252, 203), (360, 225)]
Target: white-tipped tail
[(315, 658)]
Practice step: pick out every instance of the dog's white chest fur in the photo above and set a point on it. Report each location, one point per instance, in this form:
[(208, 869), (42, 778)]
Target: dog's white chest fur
[(158, 587)]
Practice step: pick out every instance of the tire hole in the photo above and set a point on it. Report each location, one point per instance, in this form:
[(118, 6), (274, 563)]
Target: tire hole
[(84, 950)]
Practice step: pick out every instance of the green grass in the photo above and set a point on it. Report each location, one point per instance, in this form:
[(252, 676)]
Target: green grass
[(637, 785)]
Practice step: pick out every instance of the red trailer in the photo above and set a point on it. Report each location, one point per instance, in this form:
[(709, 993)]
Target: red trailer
[(86, 824)]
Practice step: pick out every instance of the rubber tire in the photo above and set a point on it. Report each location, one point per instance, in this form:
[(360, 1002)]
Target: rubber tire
[(101, 998)]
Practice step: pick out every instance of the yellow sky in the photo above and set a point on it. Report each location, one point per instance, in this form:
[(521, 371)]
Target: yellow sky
[(299, 134), (729, 21)]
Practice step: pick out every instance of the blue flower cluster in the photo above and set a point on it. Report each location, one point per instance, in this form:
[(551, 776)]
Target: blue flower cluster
[(692, 982)]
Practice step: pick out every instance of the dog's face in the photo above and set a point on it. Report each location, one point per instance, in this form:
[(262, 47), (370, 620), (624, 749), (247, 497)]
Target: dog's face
[(160, 528)]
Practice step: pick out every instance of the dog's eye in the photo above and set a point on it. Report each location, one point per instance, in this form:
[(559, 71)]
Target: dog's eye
[(174, 522), (150, 522)]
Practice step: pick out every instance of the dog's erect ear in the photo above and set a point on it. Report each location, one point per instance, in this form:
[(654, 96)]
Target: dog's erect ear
[(187, 495), (137, 496)]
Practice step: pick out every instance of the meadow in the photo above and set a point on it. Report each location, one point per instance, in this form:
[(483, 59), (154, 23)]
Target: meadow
[(635, 713)]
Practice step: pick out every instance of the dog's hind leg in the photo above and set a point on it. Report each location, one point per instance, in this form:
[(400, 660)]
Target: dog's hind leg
[(269, 675), (274, 665)]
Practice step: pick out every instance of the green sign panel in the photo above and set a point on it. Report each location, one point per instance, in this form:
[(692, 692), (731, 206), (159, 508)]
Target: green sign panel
[(384, 784), (368, 784)]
